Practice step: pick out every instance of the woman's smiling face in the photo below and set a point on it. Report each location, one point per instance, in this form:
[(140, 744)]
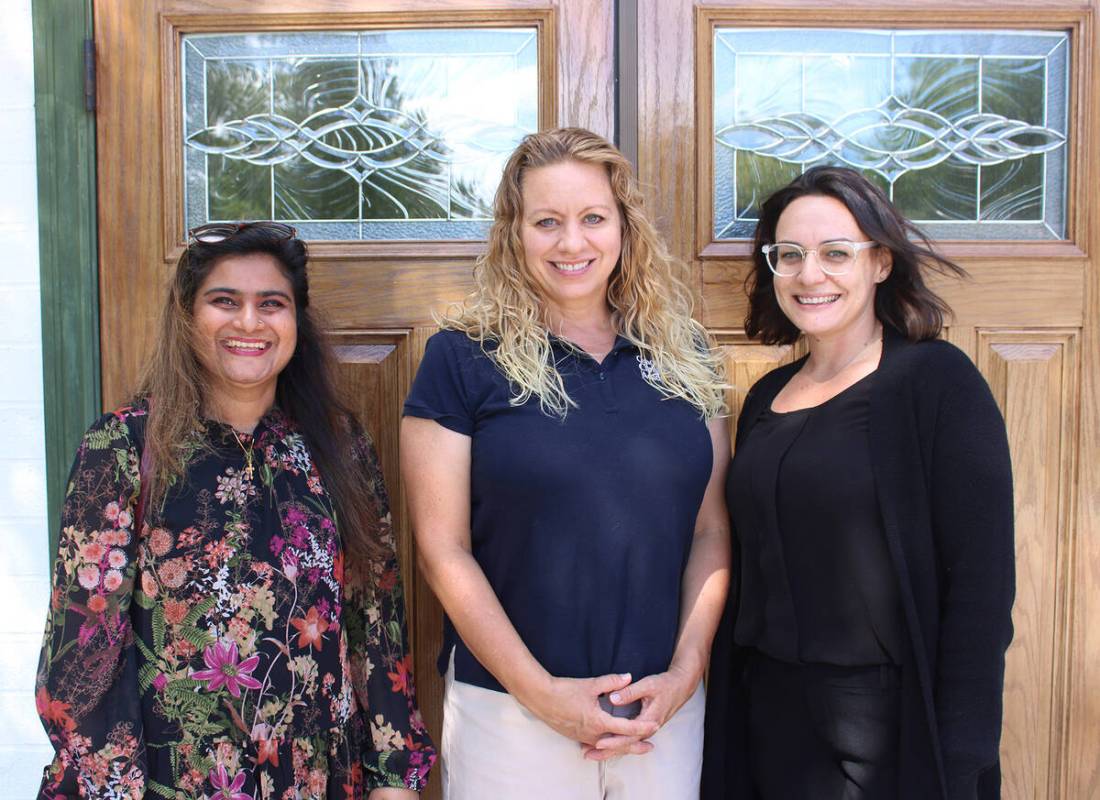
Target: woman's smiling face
[(246, 324), (571, 232), (826, 306)]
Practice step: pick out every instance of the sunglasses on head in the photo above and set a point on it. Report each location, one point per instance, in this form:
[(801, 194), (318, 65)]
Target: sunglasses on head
[(214, 232)]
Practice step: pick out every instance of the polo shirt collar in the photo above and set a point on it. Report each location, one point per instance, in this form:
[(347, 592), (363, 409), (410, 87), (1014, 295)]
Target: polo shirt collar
[(566, 346)]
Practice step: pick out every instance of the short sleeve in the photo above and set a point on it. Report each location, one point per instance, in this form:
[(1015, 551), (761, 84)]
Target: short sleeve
[(441, 390)]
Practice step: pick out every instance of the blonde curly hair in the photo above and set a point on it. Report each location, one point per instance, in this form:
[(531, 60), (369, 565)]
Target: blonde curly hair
[(649, 297)]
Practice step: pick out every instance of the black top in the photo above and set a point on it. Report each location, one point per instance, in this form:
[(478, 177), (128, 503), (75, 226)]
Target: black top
[(582, 526), (816, 583), (943, 482)]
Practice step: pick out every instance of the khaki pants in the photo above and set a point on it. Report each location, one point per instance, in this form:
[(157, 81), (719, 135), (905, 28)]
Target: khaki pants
[(494, 749)]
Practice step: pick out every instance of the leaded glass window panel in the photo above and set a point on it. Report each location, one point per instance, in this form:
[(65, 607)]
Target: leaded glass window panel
[(382, 134), (966, 130)]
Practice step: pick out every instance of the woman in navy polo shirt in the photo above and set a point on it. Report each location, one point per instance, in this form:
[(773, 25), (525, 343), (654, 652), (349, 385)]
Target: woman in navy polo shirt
[(564, 454)]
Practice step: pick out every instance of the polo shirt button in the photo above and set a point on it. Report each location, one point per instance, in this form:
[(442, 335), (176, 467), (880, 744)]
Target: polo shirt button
[(603, 375)]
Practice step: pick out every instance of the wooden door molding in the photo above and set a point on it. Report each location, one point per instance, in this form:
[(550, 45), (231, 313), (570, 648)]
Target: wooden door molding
[(175, 26), (1073, 19)]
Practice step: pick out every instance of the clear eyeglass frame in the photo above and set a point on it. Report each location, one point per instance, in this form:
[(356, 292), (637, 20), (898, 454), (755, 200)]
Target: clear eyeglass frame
[(844, 256)]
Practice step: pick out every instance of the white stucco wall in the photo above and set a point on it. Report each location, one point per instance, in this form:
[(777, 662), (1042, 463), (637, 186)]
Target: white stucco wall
[(24, 579)]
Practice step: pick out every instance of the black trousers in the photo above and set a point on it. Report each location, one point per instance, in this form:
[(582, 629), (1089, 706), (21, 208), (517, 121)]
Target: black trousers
[(822, 732)]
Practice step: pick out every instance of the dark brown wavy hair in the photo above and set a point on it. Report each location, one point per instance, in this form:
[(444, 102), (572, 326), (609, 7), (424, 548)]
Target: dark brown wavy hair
[(177, 387), (902, 301)]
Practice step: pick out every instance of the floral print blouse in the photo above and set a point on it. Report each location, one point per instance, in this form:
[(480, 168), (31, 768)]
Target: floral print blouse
[(225, 650)]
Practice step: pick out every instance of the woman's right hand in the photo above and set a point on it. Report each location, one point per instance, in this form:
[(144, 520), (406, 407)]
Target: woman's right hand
[(571, 707)]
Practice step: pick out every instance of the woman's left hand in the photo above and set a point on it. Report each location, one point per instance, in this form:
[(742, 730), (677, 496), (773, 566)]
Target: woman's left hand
[(393, 794), (661, 694)]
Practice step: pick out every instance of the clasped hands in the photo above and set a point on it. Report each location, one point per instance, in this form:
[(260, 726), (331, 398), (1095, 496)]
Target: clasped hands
[(571, 707)]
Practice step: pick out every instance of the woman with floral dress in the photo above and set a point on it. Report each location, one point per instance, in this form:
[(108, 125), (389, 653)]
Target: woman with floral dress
[(226, 618)]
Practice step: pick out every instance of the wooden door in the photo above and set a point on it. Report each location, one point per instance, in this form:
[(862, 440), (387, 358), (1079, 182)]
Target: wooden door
[(715, 125), (176, 147)]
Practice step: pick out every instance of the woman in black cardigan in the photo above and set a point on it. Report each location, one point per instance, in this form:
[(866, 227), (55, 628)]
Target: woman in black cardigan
[(862, 653)]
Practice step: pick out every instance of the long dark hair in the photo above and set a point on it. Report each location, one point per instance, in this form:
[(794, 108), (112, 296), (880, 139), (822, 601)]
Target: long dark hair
[(177, 386), (903, 300)]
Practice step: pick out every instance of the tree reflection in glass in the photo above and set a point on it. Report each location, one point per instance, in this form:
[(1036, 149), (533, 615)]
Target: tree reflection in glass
[(358, 144), (965, 130)]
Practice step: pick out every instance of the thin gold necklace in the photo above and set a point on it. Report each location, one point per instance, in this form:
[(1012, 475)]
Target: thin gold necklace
[(247, 454)]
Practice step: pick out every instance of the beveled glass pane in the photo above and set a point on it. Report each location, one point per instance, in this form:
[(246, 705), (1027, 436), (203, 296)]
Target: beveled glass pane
[(1013, 191), (965, 130), (358, 135), (305, 191), (765, 85), (946, 87), (834, 86), (757, 177), (976, 42), (1014, 88), (304, 87), (237, 190), (940, 193)]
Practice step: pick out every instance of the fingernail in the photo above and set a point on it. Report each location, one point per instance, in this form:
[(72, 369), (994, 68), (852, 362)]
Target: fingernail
[(616, 697), (626, 676)]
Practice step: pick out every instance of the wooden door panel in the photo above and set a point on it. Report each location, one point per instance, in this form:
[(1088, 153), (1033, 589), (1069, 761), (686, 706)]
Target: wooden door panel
[(991, 293), (379, 297), (375, 373), (747, 362), (1027, 316), (987, 296), (388, 292), (1034, 377)]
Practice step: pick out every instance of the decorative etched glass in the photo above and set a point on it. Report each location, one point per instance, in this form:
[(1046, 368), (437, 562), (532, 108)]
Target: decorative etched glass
[(966, 130), (396, 134)]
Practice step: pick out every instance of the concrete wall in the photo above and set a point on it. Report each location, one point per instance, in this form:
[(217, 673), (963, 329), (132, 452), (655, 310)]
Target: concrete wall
[(24, 571)]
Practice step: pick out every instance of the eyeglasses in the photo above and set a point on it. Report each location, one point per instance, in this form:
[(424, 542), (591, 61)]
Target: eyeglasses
[(214, 232), (787, 259)]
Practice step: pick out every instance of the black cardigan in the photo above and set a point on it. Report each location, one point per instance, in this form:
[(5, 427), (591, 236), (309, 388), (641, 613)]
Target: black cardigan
[(944, 486)]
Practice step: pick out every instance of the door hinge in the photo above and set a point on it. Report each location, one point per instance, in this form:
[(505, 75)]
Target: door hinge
[(89, 75)]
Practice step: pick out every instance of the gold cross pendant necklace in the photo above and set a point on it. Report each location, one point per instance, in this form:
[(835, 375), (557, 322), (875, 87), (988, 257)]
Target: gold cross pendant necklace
[(247, 455)]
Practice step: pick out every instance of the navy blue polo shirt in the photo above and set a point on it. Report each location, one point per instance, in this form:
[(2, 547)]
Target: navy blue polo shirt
[(582, 526)]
